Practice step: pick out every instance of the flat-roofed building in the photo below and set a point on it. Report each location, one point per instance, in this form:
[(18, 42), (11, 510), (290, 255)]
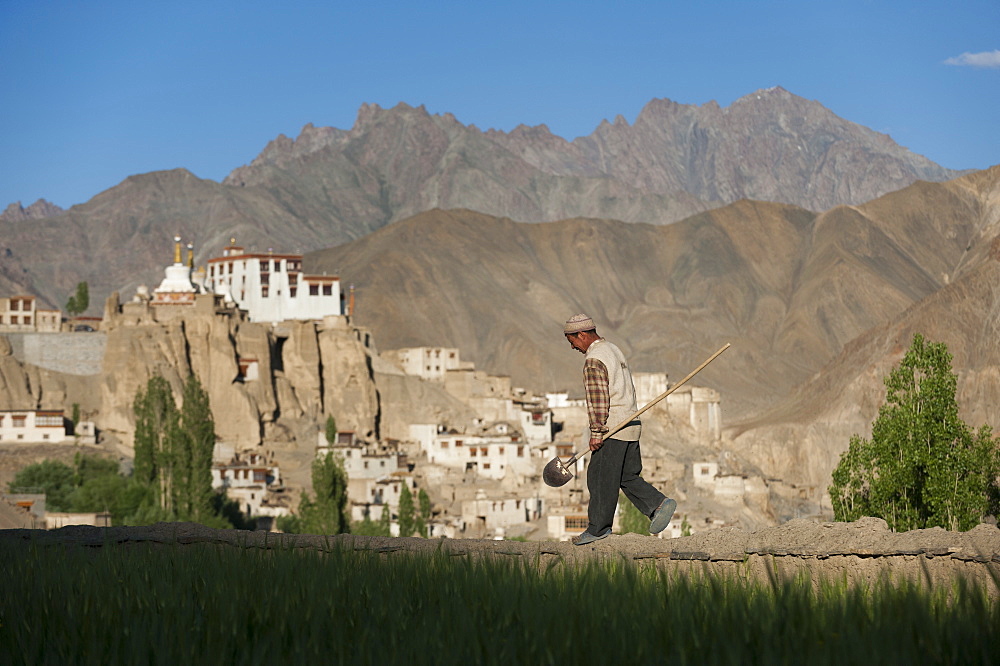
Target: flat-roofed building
[(273, 287), (32, 425), (22, 314)]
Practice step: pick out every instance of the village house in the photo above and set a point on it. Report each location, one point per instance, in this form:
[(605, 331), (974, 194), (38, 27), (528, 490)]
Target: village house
[(485, 517), (253, 482), (493, 452), (21, 314), (430, 363), (32, 425)]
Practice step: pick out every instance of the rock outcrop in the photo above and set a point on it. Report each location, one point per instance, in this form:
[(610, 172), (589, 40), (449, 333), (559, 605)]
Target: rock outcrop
[(265, 383)]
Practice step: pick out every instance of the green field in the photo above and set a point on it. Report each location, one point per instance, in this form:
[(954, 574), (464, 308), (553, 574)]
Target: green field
[(206, 604)]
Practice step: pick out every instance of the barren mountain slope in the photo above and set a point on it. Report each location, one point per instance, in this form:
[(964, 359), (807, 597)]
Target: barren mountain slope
[(786, 287), (803, 435)]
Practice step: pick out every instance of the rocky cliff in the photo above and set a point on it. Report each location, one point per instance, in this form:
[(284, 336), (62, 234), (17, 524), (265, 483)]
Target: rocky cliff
[(304, 371)]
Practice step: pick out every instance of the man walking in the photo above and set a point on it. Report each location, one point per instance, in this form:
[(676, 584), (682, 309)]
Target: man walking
[(614, 462)]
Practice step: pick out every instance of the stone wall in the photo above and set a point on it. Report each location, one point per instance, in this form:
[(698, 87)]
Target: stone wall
[(70, 353)]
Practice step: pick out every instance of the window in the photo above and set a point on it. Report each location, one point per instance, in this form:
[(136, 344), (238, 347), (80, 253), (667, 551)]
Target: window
[(444, 445), (520, 452), (259, 476), (576, 522), (265, 278), (314, 290), (19, 420), (472, 452), (483, 451), (292, 291), (500, 450), (328, 290), (14, 319), (458, 442), (265, 265), (486, 465), (263, 291)]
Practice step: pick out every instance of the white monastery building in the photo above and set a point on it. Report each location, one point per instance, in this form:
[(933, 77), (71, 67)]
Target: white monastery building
[(272, 287)]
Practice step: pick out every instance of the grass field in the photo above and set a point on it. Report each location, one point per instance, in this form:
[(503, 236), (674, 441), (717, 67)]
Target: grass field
[(209, 604)]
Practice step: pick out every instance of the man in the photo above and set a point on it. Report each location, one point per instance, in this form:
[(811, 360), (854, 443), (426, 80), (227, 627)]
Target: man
[(614, 462)]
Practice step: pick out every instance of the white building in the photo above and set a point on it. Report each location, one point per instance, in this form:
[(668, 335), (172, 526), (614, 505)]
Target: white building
[(704, 474), (427, 362), (649, 386), (536, 424), (492, 455), (30, 425), (249, 480), (272, 287), (700, 407), (21, 313), (486, 517)]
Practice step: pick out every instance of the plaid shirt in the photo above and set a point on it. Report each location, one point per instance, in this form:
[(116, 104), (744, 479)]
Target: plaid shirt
[(595, 383)]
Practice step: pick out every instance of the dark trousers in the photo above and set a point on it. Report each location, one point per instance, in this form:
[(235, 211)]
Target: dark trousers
[(617, 464)]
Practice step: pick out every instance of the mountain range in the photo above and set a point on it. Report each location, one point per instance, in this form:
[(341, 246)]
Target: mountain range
[(330, 186)]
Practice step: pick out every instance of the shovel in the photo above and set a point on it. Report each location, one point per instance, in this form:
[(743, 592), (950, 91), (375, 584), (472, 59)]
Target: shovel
[(557, 473)]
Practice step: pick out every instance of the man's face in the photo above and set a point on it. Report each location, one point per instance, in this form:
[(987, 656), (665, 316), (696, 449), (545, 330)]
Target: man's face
[(576, 342)]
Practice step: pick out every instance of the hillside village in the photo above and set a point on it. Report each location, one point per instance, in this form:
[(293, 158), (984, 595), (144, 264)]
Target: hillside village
[(278, 353)]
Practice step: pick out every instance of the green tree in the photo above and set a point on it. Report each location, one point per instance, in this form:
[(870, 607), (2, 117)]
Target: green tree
[(157, 431), (369, 527), (196, 442), (630, 519), (54, 478), (173, 452), (407, 513), (331, 430), (76, 415), (424, 513), (326, 513), (80, 300), (923, 467)]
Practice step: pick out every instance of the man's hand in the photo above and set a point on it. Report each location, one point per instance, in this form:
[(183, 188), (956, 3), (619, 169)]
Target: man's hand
[(596, 442)]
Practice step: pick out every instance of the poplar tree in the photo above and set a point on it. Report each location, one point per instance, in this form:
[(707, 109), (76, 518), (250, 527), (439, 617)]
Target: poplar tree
[(923, 467), (326, 513), (331, 430), (424, 514), (157, 426), (173, 448), (193, 500), (407, 514)]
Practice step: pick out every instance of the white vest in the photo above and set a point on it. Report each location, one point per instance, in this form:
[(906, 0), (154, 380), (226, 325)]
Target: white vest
[(620, 388)]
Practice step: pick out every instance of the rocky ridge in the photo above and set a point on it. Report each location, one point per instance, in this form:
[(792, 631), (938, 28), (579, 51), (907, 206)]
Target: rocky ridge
[(330, 186)]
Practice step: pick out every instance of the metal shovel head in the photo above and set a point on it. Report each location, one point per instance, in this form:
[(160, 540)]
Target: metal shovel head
[(556, 474)]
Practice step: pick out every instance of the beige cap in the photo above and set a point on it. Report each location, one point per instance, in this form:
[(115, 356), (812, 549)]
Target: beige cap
[(577, 323)]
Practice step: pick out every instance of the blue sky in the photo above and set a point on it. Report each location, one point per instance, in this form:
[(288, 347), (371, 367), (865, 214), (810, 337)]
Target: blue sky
[(94, 91)]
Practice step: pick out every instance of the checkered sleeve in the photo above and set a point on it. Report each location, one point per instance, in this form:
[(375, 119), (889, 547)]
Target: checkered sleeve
[(595, 382)]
